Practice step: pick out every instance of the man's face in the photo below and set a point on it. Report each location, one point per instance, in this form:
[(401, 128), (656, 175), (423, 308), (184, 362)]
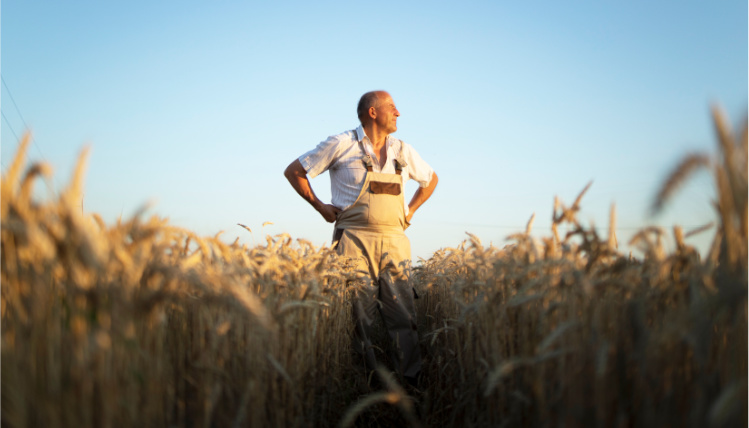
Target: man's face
[(387, 114)]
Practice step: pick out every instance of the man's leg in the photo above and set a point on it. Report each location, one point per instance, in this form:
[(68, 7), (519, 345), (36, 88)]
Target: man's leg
[(397, 304), (364, 301)]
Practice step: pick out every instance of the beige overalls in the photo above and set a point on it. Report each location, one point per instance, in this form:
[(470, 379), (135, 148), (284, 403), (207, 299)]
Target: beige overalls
[(371, 232)]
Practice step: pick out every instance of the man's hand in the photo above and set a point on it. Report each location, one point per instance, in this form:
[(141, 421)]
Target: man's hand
[(297, 176), (329, 212), (421, 195)]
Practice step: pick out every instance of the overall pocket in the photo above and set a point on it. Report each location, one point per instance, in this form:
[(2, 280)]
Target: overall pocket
[(385, 203)]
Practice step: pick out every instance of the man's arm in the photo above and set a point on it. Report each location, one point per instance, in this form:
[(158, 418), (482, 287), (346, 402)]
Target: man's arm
[(421, 196), (297, 176)]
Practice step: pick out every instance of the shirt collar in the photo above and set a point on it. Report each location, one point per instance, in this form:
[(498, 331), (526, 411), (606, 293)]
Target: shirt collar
[(360, 135)]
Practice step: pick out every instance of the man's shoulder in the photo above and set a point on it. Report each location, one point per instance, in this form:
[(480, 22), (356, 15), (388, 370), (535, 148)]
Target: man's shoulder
[(346, 135), (343, 138), (401, 146)]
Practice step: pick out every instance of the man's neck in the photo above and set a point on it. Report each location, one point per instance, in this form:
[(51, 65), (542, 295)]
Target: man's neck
[(376, 137)]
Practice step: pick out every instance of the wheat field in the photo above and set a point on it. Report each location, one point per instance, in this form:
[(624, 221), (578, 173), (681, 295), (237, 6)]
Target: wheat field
[(144, 324)]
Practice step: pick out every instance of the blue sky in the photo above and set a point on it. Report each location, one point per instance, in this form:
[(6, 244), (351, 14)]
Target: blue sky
[(198, 107)]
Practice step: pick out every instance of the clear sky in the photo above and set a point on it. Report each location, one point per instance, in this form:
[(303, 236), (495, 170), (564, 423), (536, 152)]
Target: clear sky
[(199, 106)]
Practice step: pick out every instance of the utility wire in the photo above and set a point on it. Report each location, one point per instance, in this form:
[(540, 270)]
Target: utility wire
[(7, 89), (13, 100), (22, 119), (7, 122), (9, 125)]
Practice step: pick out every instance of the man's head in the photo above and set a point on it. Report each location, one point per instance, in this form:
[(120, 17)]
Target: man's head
[(377, 108)]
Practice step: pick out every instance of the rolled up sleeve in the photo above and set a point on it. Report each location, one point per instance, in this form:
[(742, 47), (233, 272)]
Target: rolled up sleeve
[(321, 158), (418, 169)]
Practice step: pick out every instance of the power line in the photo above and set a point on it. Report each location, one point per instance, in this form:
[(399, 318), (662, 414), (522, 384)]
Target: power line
[(13, 100), (11, 130), (18, 110), (7, 89), (9, 125)]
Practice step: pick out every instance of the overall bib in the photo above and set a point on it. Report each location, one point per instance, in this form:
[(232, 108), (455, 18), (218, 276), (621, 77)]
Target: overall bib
[(371, 232)]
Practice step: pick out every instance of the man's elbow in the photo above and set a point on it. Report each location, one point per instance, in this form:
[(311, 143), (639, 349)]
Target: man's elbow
[(434, 180), (293, 170)]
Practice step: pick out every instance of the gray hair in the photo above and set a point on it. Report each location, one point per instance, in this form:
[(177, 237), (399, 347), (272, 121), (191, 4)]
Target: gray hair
[(370, 99)]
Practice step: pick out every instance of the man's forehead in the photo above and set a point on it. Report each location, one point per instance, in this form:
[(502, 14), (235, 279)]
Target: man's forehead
[(385, 98)]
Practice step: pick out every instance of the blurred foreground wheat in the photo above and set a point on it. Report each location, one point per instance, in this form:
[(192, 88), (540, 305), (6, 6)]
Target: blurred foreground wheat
[(145, 324)]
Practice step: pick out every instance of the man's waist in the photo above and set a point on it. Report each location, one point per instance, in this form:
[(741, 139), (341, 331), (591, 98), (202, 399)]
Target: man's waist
[(370, 228)]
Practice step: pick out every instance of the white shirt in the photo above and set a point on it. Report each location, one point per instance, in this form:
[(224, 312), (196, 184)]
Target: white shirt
[(342, 155)]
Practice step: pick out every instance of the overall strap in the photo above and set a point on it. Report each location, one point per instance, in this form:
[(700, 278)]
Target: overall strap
[(367, 159), (399, 162)]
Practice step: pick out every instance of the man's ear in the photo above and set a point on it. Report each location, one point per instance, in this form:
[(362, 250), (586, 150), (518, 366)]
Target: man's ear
[(373, 113)]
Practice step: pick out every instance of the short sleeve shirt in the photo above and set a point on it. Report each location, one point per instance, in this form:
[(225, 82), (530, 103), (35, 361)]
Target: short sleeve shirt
[(342, 156)]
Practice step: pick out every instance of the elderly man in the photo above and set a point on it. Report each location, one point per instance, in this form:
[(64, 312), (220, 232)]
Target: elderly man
[(368, 169)]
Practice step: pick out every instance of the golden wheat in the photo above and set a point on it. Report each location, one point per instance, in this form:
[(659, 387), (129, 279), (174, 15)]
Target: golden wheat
[(143, 323)]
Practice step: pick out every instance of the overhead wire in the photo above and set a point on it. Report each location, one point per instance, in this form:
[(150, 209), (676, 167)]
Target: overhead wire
[(7, 122), (18, 110)]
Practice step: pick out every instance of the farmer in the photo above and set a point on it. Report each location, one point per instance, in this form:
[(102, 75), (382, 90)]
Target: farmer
[(368, 169)]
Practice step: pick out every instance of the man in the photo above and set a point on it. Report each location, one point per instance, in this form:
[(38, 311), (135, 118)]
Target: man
[(368, 169)]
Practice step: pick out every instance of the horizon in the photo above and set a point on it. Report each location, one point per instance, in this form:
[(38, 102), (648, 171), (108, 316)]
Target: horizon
[(200, 108)]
